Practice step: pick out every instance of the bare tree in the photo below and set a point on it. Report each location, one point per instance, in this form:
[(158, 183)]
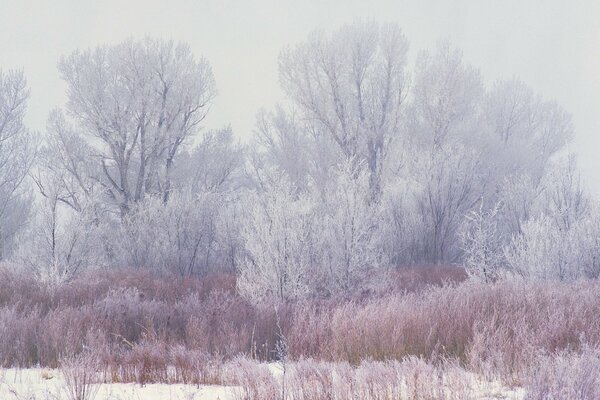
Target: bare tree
[(136, 104), (451, 187), (565, 198), (59, 242), (351, 256), (281, 144), (351, 86), (179, 236), (443, 121), (214, 165), (17, 151), (445, 99), (278, 240), (481, 243), (526, 130), (66, 169)]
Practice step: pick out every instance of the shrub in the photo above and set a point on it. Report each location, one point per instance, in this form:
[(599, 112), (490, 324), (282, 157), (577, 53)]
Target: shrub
[(80, 374), (566, 376)]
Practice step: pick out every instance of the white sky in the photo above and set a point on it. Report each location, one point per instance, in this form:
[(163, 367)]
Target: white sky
[(554, 46)]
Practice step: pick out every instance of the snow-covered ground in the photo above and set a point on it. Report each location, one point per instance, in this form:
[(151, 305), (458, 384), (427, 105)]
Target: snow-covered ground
[(43, 384)]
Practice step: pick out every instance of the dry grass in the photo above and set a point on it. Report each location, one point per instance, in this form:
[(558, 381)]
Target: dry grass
[(412, 378), (566, 376), (80, 373), (145, 328)]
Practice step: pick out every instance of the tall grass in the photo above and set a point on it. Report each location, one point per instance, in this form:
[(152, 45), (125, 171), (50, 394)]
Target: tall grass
[(566, 376), (80, 373), (412, 379), (146, 328)]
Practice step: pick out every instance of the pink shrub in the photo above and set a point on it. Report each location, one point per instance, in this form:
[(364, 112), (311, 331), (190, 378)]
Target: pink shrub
[(148, 325), (566, 376), (413, 379)]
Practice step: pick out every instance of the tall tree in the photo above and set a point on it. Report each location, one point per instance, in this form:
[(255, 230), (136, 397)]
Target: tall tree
[(134, 105), (17, 151), (350, 86)]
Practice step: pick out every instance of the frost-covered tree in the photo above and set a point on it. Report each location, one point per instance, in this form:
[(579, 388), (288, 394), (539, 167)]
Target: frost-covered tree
[(502, 140), (351, 257), (281, 145), (132, 109), (543, 252), (481, 243), (60, 243), (178, 236), (213, 165), (65, 167), (564, 197), (213, 171), (560, 239), (445, 99), (523, 132), (135, 105), (443, 119), (450, 141), (351, 86), (587, 238), (520, 196), (67, 234), (313, 243), (17, 151), (196, 230), (277, 236), (450, 188)]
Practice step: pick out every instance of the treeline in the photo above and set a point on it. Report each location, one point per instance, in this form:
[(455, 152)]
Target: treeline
[(368, 164)]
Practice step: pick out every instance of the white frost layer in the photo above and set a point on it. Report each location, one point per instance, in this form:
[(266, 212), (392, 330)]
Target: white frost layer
[(43, 384)]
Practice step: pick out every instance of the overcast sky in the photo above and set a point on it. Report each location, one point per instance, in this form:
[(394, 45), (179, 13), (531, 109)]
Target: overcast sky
[(554, 46)]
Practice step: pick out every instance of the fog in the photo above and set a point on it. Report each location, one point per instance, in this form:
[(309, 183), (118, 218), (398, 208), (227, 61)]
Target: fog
[(553, 46), (299, 200)]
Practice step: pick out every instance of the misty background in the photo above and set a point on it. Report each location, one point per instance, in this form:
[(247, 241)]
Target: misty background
[(379, 199), (553, 46)]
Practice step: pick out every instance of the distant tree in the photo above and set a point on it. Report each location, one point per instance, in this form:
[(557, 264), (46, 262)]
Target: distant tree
[(281, 144), (520, 195), (446, 99), (524, 131), (58, 246), (451, 187), (213, 165), (443, 120), (351, 86), (74, 217)]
